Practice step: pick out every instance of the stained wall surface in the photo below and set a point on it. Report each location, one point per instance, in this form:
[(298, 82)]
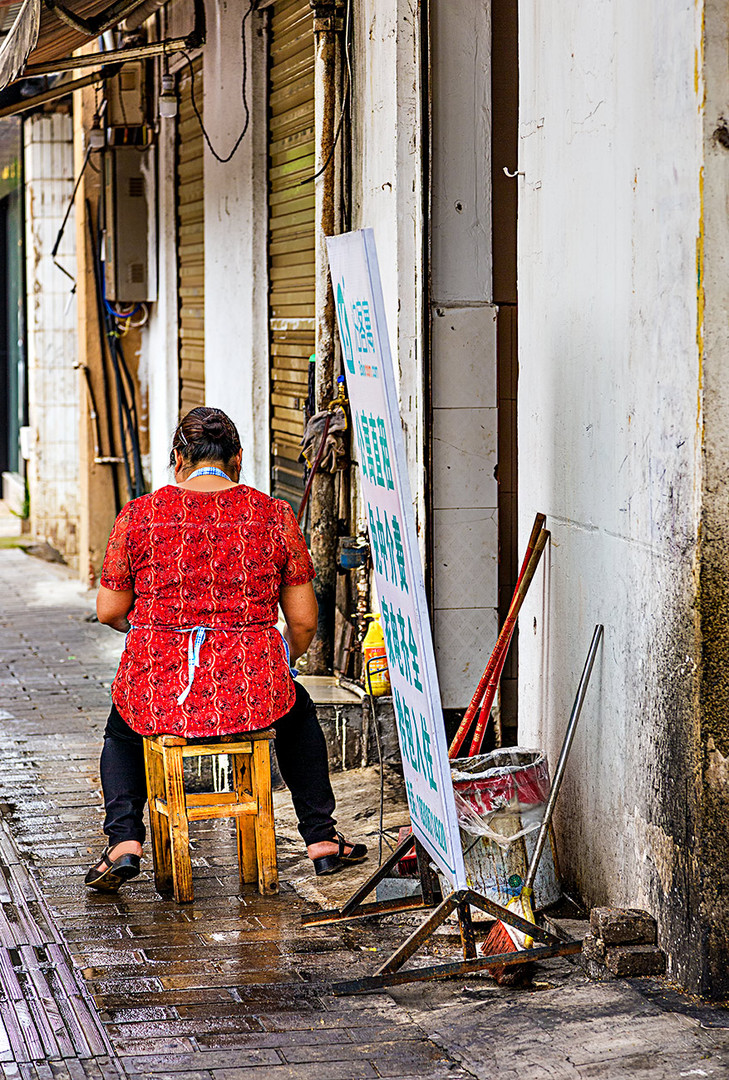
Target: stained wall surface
[(610, 440), (53, 380)]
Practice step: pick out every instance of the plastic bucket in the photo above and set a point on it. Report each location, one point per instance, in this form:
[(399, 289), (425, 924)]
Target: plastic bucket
[(501, 798)]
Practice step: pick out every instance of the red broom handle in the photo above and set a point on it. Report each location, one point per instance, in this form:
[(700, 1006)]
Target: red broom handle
[(506, 634), (460, 736)]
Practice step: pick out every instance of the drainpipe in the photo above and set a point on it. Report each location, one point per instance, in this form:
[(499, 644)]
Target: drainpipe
[(327, 26)]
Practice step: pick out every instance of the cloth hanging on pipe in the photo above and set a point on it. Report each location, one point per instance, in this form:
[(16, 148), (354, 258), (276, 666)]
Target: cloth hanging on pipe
[(334, 456)]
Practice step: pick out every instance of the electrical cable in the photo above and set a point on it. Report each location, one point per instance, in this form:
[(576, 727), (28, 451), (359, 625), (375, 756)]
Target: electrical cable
[(126, 414), (246, 110), (105, 376), (69, 208)]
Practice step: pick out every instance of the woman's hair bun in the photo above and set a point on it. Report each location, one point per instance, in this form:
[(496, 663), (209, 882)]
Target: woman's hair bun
[(205, 434), (214, 427)]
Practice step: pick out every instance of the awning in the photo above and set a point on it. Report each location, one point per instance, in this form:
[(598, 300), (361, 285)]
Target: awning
[(43, 34)]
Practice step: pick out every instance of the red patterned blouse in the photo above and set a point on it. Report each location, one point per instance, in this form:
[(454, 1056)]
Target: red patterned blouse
[(204, 656)]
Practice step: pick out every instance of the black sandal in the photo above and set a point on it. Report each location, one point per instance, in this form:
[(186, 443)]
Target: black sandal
[(115, 873), (332, 864)]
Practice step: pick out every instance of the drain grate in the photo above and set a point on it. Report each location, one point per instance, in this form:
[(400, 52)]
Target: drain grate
[(45, 1007)]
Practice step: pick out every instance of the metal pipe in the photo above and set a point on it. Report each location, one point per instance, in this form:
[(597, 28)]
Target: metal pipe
[(327, 24), (121, 56), (562, 763), (58, 91)]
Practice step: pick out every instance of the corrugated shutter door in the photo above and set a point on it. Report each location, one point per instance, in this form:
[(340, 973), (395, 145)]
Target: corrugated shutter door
[(190, 243), (291, 235)]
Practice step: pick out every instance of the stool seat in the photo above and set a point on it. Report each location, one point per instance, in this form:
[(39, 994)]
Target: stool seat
[(171, 808)]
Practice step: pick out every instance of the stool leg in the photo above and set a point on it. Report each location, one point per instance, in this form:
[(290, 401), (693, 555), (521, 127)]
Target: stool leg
[(159, 828), (245, 823), (264, 826), (179, 833)]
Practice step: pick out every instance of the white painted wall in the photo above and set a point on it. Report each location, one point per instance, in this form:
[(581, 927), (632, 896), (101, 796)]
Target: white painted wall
[(236, 224), (53, 381), (609, 413), (236, 285), (387, 195), (159, 343)]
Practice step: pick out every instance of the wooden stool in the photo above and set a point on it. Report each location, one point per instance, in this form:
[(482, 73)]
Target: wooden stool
[(250, 803)]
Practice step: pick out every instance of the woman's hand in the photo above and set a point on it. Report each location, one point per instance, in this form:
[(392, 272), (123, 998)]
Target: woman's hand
[(301, 612), (112, 608)]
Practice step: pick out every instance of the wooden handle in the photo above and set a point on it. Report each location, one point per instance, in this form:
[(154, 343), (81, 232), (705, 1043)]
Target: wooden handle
[(460, 736), (507, 633)]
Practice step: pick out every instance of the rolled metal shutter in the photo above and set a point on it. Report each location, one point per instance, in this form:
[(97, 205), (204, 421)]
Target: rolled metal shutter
[(190, 243), (291, 236)]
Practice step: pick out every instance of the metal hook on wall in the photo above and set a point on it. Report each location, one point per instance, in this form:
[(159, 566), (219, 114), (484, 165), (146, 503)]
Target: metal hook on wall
[(511, 175)]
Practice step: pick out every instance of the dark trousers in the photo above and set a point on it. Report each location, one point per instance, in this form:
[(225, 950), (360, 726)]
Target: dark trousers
[(302, 758)]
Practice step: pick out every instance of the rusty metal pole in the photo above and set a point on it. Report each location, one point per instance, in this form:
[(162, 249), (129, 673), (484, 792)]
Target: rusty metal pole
[(327, 26)]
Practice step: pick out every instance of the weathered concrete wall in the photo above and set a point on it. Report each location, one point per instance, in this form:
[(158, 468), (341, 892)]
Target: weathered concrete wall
[(712, 858), (53, 381), (610, 444)]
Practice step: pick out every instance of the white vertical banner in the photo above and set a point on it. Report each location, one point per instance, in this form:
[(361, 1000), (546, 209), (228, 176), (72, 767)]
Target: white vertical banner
[(398, 572)]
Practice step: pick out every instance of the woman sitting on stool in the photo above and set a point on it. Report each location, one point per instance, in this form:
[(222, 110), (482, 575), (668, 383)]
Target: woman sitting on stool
[(194, 575)]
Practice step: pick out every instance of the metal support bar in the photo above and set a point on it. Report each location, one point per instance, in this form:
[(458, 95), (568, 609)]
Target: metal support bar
[(381, 872), (379, 907), (114, 56), (193, 40), (468, 938), (505, 915), (461, 967), (423, 932), (428, 880), (59, 90)]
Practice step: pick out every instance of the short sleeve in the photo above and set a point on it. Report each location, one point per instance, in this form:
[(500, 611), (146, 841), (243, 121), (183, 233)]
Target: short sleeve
[(298, 568), (116, 573)]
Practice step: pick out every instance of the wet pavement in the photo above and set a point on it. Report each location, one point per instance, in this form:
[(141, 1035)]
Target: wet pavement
[(230, 987)]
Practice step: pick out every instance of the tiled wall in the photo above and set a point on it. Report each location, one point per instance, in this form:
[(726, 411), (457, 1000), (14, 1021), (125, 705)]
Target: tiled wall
[(53, 382)]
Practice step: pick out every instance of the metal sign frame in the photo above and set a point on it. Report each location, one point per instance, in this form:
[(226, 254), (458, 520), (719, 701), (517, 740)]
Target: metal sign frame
[(398, 573)]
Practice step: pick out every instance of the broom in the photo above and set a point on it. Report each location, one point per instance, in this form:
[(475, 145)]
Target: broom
[(498, 656), (502, 937)]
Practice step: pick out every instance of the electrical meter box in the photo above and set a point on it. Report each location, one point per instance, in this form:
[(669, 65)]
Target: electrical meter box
[(126, 97), (130, 248)]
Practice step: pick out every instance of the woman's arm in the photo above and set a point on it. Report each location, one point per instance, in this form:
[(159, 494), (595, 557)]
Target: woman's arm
[(112, 607), (301, 611)]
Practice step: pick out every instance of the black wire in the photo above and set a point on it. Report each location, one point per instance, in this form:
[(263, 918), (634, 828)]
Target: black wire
[(102, 342), (133, 420), (246, 110)]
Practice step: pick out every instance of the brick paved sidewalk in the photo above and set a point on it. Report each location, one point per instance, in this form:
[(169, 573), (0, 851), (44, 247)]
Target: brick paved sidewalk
[(221, 988), (229, 988)]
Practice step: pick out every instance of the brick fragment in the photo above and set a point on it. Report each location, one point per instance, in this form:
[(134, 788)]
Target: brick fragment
[(593, 948), (625, 960), (623, 926)]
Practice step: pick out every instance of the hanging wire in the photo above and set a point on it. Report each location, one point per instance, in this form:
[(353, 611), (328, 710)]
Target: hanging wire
[(246, 110)]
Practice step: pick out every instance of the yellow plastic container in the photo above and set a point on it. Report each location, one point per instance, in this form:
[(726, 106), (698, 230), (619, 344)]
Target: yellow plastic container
[(376, 672)]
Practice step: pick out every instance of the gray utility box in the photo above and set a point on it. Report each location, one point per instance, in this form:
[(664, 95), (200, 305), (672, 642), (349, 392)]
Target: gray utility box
[(130, 266)]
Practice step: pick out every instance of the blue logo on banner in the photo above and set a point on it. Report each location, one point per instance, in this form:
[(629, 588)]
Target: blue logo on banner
[(344, 333)]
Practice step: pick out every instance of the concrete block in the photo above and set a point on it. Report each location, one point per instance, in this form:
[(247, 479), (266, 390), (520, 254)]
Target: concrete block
[(593, 948), (623, 926), (624, 960), (594, 970)]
